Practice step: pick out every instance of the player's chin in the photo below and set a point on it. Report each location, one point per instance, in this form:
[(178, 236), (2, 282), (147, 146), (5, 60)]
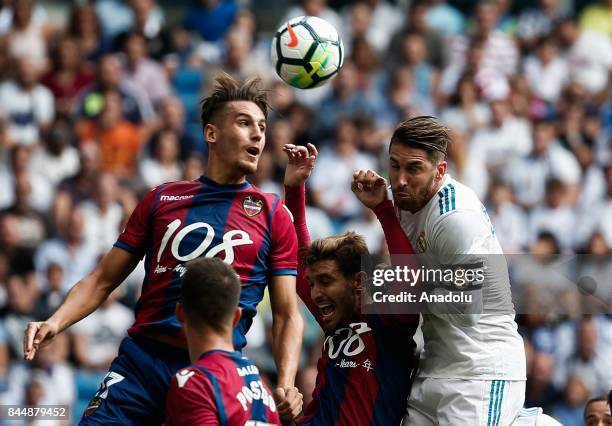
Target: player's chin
[(248, 166)]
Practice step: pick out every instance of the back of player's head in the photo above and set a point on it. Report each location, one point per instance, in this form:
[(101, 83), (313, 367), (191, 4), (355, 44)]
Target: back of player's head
[(424, 132), (209, 293), (349, 250), (228, 89)]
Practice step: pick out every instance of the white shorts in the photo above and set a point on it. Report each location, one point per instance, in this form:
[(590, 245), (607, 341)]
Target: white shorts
[(457, 402)]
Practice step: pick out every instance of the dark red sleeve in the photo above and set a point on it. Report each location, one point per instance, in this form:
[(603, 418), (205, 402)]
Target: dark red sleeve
[(401, 251), (295, 199), (134, 236), (283, 256), (191, 400)]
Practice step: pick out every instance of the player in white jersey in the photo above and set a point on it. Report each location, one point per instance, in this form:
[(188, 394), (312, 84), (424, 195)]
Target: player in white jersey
[(472, 369)]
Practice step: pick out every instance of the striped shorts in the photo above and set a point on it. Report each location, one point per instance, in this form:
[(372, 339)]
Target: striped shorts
[(464, 402)]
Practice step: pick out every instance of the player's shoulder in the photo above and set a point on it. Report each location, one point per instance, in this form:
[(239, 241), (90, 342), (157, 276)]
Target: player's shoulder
[(454, 198), (191, 377)]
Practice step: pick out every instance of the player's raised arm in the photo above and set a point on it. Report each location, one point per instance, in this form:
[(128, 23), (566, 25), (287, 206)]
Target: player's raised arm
[(82, 299), (288, 325), (300, 164)]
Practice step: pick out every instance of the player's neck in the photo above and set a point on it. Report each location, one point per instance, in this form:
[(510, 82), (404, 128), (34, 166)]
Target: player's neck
[(222, 175), (207, 340)]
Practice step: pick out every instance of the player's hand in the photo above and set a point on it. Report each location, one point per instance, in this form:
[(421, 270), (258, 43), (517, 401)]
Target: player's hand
[(369, 187), (37, 335), (301, 161), (289, 403)]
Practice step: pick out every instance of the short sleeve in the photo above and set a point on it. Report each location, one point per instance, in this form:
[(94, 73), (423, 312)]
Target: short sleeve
[(134, 236), (283, 253), (191, 400)]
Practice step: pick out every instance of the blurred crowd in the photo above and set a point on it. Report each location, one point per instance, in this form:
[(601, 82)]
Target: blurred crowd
[(100, 103)]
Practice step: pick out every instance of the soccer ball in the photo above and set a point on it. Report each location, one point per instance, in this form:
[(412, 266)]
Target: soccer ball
[(307, 52)]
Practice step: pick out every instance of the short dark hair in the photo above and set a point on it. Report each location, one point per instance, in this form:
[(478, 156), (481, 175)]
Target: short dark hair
[(228, 89), (598, 398), (424, 132), (210, 292), (349, 250)]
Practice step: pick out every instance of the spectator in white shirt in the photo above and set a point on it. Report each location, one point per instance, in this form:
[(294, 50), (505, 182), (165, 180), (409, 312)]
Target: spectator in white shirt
[(546, 72), (495, 146), (508, 219), (28, 105), (334, 173), (500, 52), (589, 55), (548, 159), (103, 215), (555, 216), (163, 165)]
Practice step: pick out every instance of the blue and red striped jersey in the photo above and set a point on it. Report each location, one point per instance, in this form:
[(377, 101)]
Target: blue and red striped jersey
[(179, 221), (367, 365), (222, 388)]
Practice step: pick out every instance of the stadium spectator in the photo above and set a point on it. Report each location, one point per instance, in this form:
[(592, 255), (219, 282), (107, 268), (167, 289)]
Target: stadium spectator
[(445, 18), (334, 172), (570, 410), (556, 215), (172, 119), (27, 104), (163, 165), (103, 214), (534, 23), (597, 17), (67, 75), (30, 222), (500, 53), (508, 219), (597, 412), (211, 19), (546, 72), (27, 36), (118, 139), (528, 174), (135, 106), (57, 158), (588, 54), (84, 28), (69, 250), (143, 72), (493, 147), (416, 21)]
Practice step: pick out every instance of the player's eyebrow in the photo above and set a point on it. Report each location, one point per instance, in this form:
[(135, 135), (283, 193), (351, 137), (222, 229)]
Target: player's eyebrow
[(250, 117)]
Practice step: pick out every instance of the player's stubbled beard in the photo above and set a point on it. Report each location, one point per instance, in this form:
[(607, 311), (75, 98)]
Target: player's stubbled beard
[(419, 196)]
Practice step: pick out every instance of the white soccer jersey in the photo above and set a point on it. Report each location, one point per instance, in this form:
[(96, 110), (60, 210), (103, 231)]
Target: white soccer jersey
[(483, 346)]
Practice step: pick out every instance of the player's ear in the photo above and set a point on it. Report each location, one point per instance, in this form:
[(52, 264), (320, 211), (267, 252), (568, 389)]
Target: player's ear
[(179, 311), (359, 280), (442, 165), (210, 133), (237, 315)]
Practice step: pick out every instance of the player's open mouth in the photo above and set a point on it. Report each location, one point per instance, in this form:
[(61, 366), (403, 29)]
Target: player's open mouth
[(327, 310), (253, 151)]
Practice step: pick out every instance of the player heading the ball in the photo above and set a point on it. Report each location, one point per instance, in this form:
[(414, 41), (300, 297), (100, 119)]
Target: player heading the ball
[(218, 215)]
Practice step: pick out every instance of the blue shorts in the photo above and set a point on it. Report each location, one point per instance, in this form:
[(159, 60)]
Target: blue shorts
[(134, 389)]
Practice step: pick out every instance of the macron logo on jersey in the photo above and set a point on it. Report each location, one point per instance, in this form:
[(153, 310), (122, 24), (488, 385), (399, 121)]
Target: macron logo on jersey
[(174, 197), (182, 377)]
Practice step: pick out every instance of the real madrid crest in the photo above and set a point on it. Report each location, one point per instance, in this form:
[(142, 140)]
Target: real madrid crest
[(421, 243), (252, 205)]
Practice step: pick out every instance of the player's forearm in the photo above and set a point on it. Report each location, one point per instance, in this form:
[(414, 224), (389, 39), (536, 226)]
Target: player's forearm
[(287, 333), (295, 200), (84, 298), (396, 238)]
